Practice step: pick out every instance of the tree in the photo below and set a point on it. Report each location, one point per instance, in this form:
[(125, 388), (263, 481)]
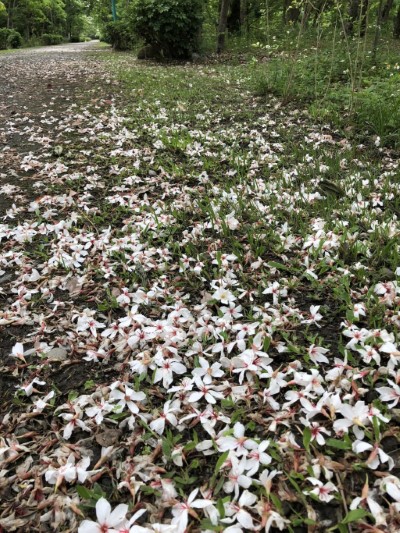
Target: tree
[(358, 10), (222, 25), (396, 28)]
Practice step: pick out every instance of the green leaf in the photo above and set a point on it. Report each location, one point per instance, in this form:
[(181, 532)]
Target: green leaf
[(185, 481), (221, 461), (330, 188), (219, 485), (307, 438), (166, 448), (377, 430), (339, 444), (279, 266), (84, 493), (354, 515)]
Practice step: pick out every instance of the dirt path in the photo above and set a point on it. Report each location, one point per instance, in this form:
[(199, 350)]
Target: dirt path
[(39, 88), (47, 97)]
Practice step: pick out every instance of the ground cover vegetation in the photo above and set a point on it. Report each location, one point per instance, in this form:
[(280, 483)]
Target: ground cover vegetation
[(199, 309), (200, 283)]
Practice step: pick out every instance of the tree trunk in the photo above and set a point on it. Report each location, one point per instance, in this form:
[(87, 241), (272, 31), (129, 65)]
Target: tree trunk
[(292, 12), (358, 11), (377, 30), (354, 9), (223, 19), (396, 29), (363, 17), (243, 15), (386, 10)]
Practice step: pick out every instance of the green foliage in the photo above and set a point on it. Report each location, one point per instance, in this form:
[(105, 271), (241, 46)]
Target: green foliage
[(9, 39), (340, 85), (52, 38), (171, 26), (120, 35)]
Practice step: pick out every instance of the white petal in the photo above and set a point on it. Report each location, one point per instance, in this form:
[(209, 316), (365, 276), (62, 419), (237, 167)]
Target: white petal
[(103, 510)]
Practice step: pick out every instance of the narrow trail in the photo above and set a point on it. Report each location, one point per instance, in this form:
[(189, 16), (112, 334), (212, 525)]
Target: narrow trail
[(39, 87)]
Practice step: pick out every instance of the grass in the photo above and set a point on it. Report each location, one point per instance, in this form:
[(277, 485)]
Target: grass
[(340, 81), (201, 200)]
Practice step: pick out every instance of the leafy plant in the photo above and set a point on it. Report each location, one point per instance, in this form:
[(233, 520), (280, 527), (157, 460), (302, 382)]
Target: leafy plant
[(120, 35), (10, 39), (171, 26), (52, 38)]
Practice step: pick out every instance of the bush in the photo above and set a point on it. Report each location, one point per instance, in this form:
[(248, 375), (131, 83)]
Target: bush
[(171, 26), (10, 39), (120, 35), (52, 38), (76, 39)]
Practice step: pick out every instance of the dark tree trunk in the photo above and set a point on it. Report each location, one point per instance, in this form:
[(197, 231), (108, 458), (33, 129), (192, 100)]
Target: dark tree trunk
[(223, 19), (306, 14), (377, 30), (358, 11), (363, 17), (353, 15), (292, 12), (243, 16), (386, 10), (396, 28), (234, 16)]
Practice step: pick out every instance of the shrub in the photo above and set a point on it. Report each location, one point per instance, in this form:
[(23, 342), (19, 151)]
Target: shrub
[(10, 39), (120, 35), (52, 38), (76, 39), (14, 39), (172, 26)]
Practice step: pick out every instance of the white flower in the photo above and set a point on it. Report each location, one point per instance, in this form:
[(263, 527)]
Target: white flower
[(276, 291), (180, 511), (235, 511), (317, 354), (390, 394), (323, 492), (206, 391), (209, 372), (237, 478), (231, 221), (87, 322), (168, 415), (266, 479), (18, 351), (127, 398), (29, 388), (393, 489), (43, 402), (315, 316), (377, 456), (107, 520), (237, 442), (224, 296), (166, 370), (257, 457), (55, 476), (367, 499), (355, 416), (359, 310)]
